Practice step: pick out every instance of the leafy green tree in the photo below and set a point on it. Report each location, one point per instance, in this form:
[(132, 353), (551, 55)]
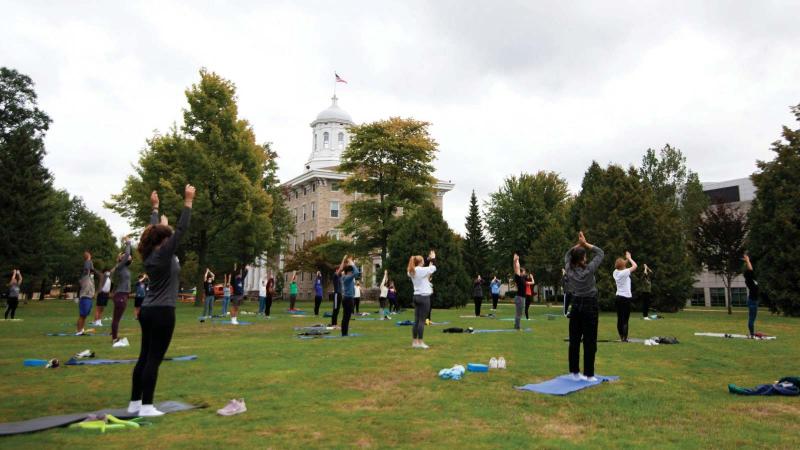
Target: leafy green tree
[(216, 151), (389, 162), (321, 254), (546, 254), (719, 243), (519, 211), (619, 212), (25, 184), (417, 233), (775, 222), (476, 249)]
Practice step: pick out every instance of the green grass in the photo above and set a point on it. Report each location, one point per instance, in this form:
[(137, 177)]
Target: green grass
[(375, 391)]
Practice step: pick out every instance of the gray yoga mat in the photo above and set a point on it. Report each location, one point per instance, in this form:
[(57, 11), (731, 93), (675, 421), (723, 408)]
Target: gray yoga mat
[(46, 423)]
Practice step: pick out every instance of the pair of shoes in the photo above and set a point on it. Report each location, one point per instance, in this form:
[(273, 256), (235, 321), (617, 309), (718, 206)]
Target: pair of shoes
[(121, 342), (233, 407), (582, 377), (420, 345), (497, 363)]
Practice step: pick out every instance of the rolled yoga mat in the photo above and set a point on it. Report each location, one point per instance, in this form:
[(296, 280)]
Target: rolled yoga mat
[(563, 385), (45, 423)]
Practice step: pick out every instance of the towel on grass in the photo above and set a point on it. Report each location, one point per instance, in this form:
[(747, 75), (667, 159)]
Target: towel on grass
[(789, 386), (564, 385)]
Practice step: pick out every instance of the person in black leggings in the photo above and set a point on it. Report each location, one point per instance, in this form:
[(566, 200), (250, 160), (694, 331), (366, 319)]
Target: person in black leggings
[(583, 315), (157, 318), (13, 293), (477, 294), (529, 283), (270, 294)]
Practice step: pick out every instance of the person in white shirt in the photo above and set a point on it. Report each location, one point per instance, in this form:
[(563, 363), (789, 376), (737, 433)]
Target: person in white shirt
[(102, 297), (262, 295), (622, 276), (420, 278), (357, 298), (384, 295)]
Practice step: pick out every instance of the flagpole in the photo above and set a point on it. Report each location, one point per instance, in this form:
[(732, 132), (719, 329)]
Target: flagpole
[(334, 84)]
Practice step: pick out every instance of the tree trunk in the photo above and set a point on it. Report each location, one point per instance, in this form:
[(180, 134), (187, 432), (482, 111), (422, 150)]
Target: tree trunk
[(202, 255), (42, 289), (728, 295)]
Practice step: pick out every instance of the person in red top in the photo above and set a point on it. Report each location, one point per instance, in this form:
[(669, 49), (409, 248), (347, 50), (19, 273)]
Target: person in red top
[(529, 282)]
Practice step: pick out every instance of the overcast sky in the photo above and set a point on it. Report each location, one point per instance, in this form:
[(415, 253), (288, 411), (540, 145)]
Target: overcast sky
[(509, 86)]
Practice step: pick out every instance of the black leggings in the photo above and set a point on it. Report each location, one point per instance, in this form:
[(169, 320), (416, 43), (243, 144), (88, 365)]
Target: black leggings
[(268, 305), (12, 306), (158, 323), (357, 302), (317, 303), (478, 302), (583, 325), (336, 305), (348, 312), (623, 316), (495, 298), (645, 303), (394, 305), (528, 301), (422, 309)]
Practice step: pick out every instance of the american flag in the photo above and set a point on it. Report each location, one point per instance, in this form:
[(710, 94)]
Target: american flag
[(339, 79)]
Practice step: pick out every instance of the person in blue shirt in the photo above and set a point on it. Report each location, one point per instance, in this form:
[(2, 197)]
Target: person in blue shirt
[(349, 275), (317, 292), (495, 288)]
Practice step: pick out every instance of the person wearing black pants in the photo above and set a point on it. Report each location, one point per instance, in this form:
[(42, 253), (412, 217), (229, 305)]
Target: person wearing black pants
[(13, 294), (349, 273), (528, 294), (645, 291), (270, 294), (317, 292), (157, 247), (336, 297), (495, 289), (423, 289), (752, 296), (583, 315), (477, 294), (622, 277)]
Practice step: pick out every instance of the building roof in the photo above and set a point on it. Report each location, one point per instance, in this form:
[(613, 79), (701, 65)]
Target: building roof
[(333, 114)]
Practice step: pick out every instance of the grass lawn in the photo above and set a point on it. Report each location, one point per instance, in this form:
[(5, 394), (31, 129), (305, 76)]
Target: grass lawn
[(375, 391)]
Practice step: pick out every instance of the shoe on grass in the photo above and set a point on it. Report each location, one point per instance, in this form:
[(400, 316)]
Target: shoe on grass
[(493, 363), (149, 411), (232, 408), (501, 363)]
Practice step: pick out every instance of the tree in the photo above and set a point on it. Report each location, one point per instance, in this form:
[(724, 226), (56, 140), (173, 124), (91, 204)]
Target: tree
[(719, 243), (417, 233), (476, 249), (216, 151), (389, 162), (546, 254), (620, 212), (775, 223), (519, 211), (25, 184)]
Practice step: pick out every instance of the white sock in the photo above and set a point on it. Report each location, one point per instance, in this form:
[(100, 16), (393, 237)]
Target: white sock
[(149, 411), (134, 406)]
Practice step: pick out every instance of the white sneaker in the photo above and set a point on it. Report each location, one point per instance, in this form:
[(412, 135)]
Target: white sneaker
[(235, 321), (149, 411), (232, 408), (592, 379), (414, 345), (134, 406), (501, 363), (575, 376), (422, 345), (98, 323), (80, 333), (123, 342), (493, 363), (582, 377)]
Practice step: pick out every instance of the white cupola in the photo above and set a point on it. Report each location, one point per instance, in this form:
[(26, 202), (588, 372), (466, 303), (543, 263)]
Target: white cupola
[(330, 136)]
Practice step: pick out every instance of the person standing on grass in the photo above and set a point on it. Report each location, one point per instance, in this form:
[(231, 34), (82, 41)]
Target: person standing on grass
[(645, 291), (421, 279), (349, 273), (336, 295), (529, 283), (477, 294), (13, 293), (521, 280), (102, 297), (262, 294), (622, 277), (317, 292), (141, 292), (583, 316), (226, 293), (238, 294), (157, 318), (357, 298), (86, 292), (208, 288), (494, 286), (384, 295), (123, 288), (391, 296), (270, 295), (293, 291), (752, 296)]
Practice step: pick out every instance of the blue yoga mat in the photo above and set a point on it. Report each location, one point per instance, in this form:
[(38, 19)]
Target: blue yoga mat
[(563, 385), (527, 330), (329, 336), (228, 322), (100, 362), (296, 312), (73, 334), (365, 318), (511, 319)]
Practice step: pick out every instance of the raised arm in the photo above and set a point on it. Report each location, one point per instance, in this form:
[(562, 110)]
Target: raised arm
[(432, 258), (747, 262), (599, 254), (154, 202), (634, 266), (385, 278), (171, 244), (516, 265)]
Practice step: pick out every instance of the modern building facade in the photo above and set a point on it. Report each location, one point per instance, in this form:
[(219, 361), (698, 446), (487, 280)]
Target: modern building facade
[(709, 289), (315, 199)]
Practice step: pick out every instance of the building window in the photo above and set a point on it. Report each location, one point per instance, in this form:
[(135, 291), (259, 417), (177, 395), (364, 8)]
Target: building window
[(334, 209), (310, 235), (295, 215), (699, 297), (334, 186), (334, 234), (739, 296), (302, 276), (305, 191), (304, 213), (313, 210), (314, 187), (302, 239), (341, 140), (326, 140), (717, 296)]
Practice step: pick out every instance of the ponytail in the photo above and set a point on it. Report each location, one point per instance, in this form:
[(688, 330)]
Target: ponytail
[(412, 266)]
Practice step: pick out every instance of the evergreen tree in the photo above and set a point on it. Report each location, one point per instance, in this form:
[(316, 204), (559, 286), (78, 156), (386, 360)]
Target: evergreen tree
[(775, 222), (417, 233), (476, 249)]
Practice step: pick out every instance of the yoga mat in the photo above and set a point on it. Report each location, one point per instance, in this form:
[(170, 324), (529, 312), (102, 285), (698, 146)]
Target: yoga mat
[(527, 330), (477, 317), (511, 319), (365, 318), (296, 312), (736, 336), (563, 385), (440, 323), (98, 362), (329, 336), (228, 322), (10, 320), (45, 423), (73, 334)]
